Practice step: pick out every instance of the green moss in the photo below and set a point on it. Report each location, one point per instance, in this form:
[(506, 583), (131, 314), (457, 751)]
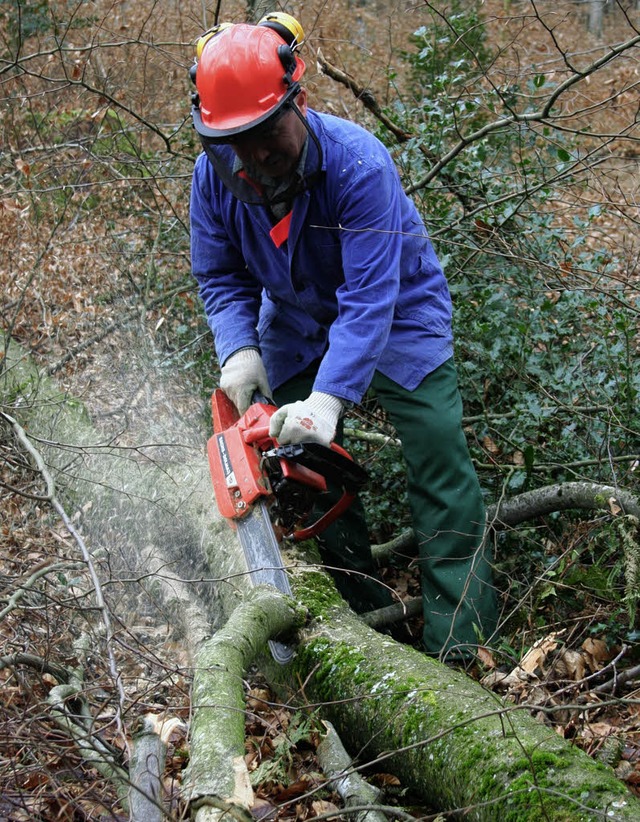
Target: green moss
[(541, 761), (317, 593), (467, 770), (529, 790), (331, 663), (485, 780), (470, 760), (410, 705)]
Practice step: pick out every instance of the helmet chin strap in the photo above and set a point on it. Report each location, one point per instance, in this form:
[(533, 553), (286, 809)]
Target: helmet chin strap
[(313, 178)]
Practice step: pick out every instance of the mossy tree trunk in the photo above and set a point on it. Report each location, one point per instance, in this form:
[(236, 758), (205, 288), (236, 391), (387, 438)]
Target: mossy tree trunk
[(447, 738)]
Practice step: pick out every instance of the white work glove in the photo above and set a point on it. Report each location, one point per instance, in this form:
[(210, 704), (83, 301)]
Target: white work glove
[(312, 420), (241, 375)]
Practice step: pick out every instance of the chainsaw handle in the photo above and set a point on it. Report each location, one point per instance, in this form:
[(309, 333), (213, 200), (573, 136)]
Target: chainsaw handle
[(260, 433), (258, 396), (331, 462), (260, 436), (340, 450), (334, 463), (350, 482)]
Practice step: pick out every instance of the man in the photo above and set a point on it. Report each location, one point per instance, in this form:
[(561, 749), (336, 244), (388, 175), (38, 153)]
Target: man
[(319, 283)]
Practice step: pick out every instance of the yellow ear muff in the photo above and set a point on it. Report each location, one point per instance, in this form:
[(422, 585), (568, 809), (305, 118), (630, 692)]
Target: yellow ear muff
[(287, 27), (204, 39)]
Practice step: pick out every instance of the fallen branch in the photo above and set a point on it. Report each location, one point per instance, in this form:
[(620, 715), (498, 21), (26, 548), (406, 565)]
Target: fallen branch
[(217, 785), (404, 546), (146, 769), (393, 613), (70, 712), (337, 766), (36, 662), (23, 587), (562, 497), (373, 437), (550, 499)]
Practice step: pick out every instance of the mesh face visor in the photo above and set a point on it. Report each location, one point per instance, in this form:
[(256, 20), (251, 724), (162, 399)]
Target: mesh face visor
[(225, 162)]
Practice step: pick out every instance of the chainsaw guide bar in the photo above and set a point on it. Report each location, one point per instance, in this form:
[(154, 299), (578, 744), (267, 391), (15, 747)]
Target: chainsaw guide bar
[(258, 482), (264, 561)]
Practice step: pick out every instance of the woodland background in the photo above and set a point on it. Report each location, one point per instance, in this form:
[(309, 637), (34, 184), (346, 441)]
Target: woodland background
[(515, 125)]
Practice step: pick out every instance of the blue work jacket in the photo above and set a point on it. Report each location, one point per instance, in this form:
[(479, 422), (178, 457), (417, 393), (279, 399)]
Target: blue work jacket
[(357, 283)]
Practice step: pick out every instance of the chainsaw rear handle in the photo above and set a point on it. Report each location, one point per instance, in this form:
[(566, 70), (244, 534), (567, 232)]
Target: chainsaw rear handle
[(333, 463), (314, 453), (314, 456)]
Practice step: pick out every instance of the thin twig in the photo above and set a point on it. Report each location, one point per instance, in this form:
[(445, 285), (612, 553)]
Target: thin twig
[(86, 555), (23, 587)]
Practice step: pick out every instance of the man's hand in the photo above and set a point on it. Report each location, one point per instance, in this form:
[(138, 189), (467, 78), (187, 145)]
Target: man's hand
[(312, 420), (241, 375)]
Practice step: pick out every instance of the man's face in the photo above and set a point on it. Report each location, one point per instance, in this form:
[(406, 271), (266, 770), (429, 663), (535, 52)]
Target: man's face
[(274, 151)]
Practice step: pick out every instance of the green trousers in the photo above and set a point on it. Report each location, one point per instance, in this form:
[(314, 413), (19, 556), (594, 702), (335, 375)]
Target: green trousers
[(447, 509)]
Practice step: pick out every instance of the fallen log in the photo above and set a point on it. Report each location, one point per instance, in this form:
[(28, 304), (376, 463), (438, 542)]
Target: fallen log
[(550, 499), (457, 745)]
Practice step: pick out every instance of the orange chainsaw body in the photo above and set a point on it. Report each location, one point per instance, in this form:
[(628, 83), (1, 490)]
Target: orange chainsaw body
[(236, 457), (241, 454)]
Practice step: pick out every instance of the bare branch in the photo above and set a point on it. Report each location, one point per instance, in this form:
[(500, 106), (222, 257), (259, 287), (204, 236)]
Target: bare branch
[(86, 555)]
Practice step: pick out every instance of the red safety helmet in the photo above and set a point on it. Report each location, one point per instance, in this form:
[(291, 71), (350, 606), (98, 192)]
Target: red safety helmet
[(245, 75)]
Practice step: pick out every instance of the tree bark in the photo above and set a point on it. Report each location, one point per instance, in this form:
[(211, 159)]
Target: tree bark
[(456, 744), (596, 10), (337, 765), (146, 769)]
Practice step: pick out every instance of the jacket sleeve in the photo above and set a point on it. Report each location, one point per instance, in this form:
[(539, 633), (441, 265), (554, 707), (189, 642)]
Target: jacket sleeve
[(231, 296), (369, 217)]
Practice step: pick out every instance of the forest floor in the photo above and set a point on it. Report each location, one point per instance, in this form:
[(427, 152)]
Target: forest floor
[(73, 326)]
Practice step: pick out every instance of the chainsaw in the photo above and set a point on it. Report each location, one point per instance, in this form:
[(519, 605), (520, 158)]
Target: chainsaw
[(267, 491)]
